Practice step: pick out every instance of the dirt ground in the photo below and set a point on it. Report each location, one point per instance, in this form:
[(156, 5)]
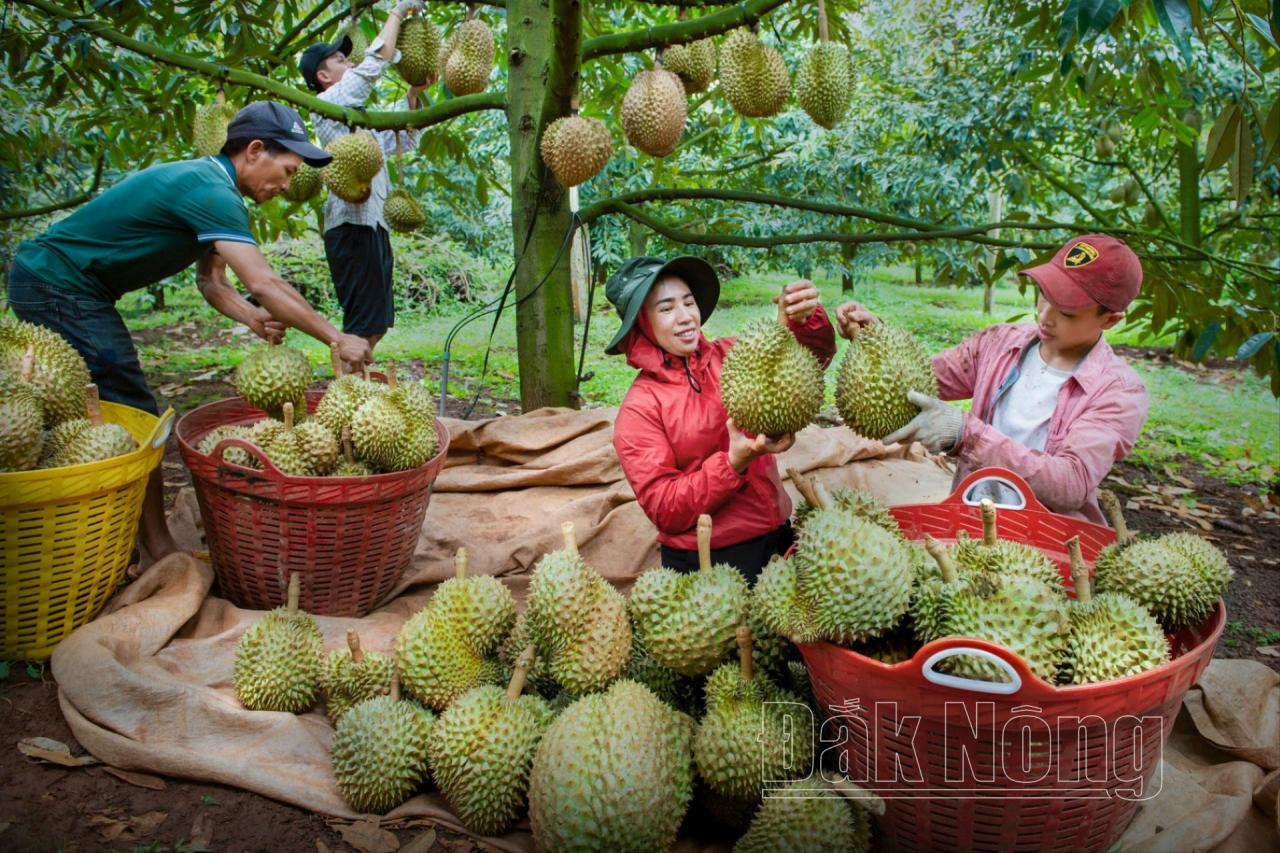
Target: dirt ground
[(47, 807)]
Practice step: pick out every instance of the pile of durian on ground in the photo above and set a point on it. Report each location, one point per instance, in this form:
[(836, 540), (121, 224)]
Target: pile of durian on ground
[(360, 427), (49, 411), (609, 718)]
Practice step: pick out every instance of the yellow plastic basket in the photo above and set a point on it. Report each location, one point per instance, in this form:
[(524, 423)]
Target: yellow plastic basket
[(66, 535)]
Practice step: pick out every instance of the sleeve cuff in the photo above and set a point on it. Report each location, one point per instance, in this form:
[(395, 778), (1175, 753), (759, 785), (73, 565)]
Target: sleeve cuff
[(228, 236)]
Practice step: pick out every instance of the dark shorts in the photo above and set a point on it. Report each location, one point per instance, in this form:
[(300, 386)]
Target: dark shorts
[(748, 557), (94, 328), (360, 263)]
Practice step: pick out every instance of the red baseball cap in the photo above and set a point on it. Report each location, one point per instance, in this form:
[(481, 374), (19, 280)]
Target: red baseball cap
[(1091, 270)]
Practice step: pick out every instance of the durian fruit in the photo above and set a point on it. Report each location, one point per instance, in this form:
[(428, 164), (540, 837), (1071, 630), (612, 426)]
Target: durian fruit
[(694, 63), (209, 128), (509, 651), (396, 431), (419, 46), (1124, 537), (807, 816), (304, 184), (1003, 556), (687, 621), (678, 691), (273, 375), (824, 79), (482, 749), (359, 41), (278, 659), (307, 449), (771, 652), (21, 419), (469, 58), (575, 148), (1209, 562), (771, 384), (348, 465), (402, 211), (58, 375), (344, 395), (754, 77), (451, 645), (577, 620), (357, 159), (931, 597), (612, 773), (352, 675), (57, 438), (234, 455), (380, 751), (654, 111), (849, 580), (753, 731), (863, 504), (879, 367), (1174, 587), (1112, 636), (94, 442)]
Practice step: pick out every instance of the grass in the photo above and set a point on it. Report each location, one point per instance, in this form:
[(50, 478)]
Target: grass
[(1223, 420)]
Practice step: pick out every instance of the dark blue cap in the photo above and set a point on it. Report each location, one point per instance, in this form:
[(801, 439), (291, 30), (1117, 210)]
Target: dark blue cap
[(318, 53), (267, 120)]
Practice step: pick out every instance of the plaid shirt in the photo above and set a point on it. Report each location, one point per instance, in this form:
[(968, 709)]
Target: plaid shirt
[(352, 91)]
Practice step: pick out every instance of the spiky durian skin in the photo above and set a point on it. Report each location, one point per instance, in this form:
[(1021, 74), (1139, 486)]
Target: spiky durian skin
[(612, 773), (824, 83), (754, 77), (1018, 612), (341, 399), (771, 385), (481, 752), (1162, 580), (359, 42), (402, 212), (576, 148), (1007, 557), (654, 111), (278, 660), (271, 376), (209, 128), (778, 604), (517, 640), (357, 159), (469, 58), (879, 367), (1208, 561), (59, 374), (694, 63), (677, 690), (304, 184), (770, 651), (21, 428), (234, 455), (346, 682), (376, 430), (419, 46), (753, 732), (688, 621), (93, 444), (815, 820), (380, 752), (860, 503), (1111, 637)]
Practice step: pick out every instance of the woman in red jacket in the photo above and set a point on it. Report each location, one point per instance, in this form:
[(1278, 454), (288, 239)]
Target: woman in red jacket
[(679, 449)]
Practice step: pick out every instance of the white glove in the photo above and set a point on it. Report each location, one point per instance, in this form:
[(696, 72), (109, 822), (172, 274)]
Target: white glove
[(404, 7), (937, 427)]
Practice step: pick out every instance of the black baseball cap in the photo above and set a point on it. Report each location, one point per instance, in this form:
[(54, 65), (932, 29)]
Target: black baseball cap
[(628, 287), (317, 53), (267, 120)]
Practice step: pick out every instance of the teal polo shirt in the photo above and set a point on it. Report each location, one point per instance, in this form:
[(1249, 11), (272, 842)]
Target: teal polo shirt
[(146, 228)]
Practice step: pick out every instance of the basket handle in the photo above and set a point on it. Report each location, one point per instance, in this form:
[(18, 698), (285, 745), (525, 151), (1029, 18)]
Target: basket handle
[(162, 428), (1020, 676), (268, 467), (1029, 501)]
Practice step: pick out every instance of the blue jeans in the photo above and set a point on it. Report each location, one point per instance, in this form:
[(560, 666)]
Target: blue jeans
[(94, 328)]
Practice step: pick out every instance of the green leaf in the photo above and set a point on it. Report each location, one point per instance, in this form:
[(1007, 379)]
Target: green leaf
[(1096, 16), (1250, 348), (1271, 132), (1175, 19), (1222, 137), (1264, 29), (1205, 341), (1241, 166), (1070, 22)]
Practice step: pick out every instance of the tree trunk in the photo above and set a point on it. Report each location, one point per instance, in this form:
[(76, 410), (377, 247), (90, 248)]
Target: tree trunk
[(637, 238), (1189, 192), (919, 270), (542, 51), (995, 201), (847, 252)]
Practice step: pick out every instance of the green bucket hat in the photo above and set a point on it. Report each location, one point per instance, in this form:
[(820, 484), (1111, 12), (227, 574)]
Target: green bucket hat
[(627, 288)]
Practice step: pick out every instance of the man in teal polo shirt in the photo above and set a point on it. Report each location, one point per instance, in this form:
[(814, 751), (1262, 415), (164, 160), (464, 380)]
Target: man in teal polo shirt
[(152, 225)]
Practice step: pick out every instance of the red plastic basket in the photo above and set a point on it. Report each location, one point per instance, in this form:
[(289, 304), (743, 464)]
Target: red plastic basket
[(1008, 766), (351, 538)]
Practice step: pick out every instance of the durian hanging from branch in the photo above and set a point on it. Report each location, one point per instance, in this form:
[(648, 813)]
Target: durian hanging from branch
[(575, 148), (209, 129), (467, 56), (359, 41), (754, 76), (824, 78), (694, 63), (357, 159), (401, 209), (419, 46), (654, 111)]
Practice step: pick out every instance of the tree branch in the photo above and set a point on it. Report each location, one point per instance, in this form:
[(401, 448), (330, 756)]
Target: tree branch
[(634, 41), (1061, 184), (287, 39), (356, 117), (75, 201)]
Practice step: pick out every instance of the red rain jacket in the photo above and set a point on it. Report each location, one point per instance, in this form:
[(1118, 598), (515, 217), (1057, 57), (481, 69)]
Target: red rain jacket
[(673, 444)]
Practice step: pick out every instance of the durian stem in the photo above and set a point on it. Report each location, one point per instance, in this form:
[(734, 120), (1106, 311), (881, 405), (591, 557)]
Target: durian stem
[(570, 542), (744, 653), (92, 407), (988, 522), (471, 12), (220, 97), (704, 543), (823, 36), (365, 370), (521, 673), (1079, 571), (335, 360), (782, 311), (353, 643), (28, 368), (942, 558), (288, 416), (823, 497), (803, 484), (294, 593), (399, 163), (346, 445), (1111, 504), (460, 564), (395, 687), (391, 374)]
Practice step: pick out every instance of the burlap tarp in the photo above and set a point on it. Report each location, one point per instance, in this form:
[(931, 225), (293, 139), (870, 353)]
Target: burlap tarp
[(148, 685)]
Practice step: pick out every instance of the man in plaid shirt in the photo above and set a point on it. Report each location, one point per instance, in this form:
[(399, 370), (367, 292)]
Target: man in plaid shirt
[(356, 242)]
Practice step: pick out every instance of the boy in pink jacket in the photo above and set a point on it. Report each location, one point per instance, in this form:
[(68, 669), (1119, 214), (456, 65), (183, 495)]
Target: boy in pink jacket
[(1051, 399)]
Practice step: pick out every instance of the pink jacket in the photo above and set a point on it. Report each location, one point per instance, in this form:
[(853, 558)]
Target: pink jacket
[(1100, 411)]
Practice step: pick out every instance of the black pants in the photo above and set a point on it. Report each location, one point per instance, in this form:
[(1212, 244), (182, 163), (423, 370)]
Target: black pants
[(360, 263), (748, 557)]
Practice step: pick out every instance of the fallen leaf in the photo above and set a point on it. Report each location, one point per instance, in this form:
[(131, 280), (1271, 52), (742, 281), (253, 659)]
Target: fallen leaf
[(53, 751), (201, 831), (142, 780), (208, 374), (1270, 651), (109, 828), (321, 847), (421, 844), (367, 837), (145, 824)]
